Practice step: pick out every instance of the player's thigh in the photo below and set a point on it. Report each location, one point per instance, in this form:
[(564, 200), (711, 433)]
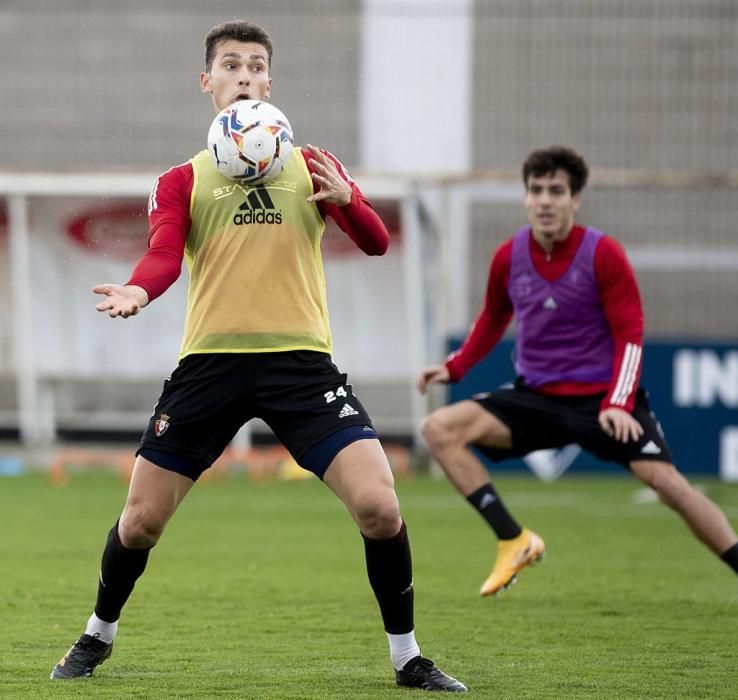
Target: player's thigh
[(201, 408), (533, 421), (311, 408), (466, 422), (361, 477), (651, 448)]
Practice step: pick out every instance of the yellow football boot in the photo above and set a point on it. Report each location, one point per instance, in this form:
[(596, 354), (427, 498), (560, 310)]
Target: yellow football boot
[(512, 557)]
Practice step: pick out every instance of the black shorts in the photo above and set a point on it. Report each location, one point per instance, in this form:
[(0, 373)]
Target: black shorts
[(300, 394), (539, 421)]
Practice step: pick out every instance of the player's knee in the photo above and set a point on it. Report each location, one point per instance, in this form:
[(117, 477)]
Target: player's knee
[(139, 530), (378, 516), (437, 433)]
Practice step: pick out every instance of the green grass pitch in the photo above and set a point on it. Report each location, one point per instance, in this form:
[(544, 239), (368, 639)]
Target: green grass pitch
[(258, 590)]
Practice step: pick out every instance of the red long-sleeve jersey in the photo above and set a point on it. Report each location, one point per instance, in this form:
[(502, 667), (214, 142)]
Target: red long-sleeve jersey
[(621, 303), (169, 225)]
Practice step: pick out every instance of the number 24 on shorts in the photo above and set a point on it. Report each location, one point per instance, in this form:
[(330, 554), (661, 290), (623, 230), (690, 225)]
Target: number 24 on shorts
[(331, 395)]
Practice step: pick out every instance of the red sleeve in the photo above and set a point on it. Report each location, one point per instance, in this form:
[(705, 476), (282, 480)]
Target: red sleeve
[(492, 320), (169, 225), (623, 309), (357, 219)]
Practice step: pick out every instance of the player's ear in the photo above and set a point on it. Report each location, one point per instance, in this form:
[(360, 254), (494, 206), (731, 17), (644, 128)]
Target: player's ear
[(205, 82), (269, 89), (576, 200)]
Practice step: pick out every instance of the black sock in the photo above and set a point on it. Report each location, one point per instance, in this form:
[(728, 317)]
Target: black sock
[(730, 557), (492, 509), (390, 570), (119, 570)]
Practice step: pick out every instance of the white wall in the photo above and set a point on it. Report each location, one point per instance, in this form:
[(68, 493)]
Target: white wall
[(415, 76)]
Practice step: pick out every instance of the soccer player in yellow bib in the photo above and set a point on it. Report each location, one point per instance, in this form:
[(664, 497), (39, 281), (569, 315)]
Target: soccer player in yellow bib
[(257, 343)]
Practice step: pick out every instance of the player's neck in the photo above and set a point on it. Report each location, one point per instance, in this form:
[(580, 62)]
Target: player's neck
[(547, 240)]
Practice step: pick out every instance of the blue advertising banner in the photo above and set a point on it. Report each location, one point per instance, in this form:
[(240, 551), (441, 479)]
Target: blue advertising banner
[(693, 389)]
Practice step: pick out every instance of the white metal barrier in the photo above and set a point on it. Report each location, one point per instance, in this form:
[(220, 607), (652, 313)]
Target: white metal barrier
[(412, 300)]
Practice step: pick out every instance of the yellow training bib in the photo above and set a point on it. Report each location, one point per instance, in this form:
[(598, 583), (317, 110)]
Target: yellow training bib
[(256, 272)]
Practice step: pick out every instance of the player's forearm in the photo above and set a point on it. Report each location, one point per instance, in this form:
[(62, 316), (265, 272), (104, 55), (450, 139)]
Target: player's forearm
[(484, 335), (625, 318), (627, 365), (155, 273), (362, 224), (160, 268)]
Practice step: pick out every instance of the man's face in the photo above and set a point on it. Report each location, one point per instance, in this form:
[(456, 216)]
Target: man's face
[(240, 71), (550, 206)]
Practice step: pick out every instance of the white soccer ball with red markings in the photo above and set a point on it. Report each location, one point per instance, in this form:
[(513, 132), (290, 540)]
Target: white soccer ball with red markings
[(250, 141)]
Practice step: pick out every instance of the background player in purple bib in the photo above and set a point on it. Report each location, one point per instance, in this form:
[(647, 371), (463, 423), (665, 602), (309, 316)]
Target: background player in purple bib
[(578, 351)]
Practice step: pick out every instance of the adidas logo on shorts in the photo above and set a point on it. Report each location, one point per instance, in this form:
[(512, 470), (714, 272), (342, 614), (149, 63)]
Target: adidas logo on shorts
[(650, 448), (347, 411)]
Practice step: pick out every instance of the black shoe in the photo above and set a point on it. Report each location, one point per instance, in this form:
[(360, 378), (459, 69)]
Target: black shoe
[(422, 673), (82, 657)]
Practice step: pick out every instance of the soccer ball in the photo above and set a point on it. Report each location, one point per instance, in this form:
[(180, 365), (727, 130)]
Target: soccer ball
[(250, 141)]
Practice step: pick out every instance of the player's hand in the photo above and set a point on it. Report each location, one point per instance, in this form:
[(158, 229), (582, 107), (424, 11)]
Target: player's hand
[(121, 300), (620, 424), (332, 187), (435, 374)]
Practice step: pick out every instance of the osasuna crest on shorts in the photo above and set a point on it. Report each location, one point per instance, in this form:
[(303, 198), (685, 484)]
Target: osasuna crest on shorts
[(161, 424)]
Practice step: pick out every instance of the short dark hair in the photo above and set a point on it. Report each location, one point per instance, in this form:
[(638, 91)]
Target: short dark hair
[(546, 161), (240, 31)]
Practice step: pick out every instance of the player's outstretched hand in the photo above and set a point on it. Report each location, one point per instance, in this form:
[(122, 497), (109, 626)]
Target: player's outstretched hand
[(435, 374), (121, 300), (332, 187), (620, 424)]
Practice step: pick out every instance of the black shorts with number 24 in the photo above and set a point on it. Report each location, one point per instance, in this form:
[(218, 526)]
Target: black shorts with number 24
[(300, 394)]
